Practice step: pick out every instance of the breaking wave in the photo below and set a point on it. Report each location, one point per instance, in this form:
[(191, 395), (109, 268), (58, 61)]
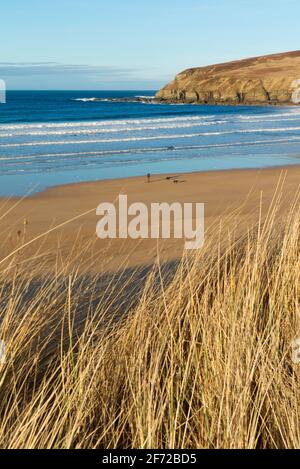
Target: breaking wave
[(152, 137)]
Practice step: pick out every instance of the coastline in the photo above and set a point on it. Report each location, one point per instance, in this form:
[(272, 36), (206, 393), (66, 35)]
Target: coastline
[(130, 140), (227, 194), (286, 104)]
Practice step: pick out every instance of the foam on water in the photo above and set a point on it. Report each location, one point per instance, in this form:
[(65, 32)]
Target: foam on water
[(148, 138), (105, 123), (281, 141), (114, 129)]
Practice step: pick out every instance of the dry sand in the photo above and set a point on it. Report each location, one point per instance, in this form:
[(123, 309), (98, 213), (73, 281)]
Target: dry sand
[(235, 192)]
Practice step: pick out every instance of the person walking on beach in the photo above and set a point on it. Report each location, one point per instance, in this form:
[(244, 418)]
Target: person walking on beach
[(148, 177)]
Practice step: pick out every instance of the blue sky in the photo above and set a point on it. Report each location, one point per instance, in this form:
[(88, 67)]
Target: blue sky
[(134, 44)]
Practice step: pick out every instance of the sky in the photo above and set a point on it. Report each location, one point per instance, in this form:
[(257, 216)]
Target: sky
[(134, 44)]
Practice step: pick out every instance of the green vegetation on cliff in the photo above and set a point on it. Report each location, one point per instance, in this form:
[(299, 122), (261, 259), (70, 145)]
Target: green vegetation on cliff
[(272, 79)]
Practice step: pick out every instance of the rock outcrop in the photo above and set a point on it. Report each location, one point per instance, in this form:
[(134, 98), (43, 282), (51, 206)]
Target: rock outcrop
[(271, 79)]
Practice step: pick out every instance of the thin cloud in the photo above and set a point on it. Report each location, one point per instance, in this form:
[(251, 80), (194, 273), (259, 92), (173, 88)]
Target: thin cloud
[(54, 75), (23, 69)]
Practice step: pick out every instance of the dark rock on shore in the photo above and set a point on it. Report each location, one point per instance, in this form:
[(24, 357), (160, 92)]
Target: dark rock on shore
[(135, 99)]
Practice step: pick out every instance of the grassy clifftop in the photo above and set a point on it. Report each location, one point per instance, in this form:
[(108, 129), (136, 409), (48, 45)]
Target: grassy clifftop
[(272, 79)]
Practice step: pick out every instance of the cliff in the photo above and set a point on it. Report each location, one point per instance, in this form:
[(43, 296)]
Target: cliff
[(271, 79)]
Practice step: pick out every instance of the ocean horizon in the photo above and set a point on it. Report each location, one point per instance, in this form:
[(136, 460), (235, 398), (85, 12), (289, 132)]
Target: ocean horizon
[(48, 138)]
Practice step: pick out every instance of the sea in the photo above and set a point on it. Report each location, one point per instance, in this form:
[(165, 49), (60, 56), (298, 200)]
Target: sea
[(48, 138)]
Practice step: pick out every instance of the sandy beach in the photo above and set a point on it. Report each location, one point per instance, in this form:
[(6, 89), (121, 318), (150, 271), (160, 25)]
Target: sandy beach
[(67, 213)]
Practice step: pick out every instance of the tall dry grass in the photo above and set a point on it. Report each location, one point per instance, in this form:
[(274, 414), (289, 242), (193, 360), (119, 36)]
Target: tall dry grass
[(194, 356)]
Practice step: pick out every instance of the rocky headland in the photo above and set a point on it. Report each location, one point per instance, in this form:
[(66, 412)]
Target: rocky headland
[(271, 79)]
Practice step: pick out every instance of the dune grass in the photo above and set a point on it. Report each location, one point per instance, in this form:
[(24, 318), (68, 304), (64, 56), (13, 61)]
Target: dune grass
[(200, 359)]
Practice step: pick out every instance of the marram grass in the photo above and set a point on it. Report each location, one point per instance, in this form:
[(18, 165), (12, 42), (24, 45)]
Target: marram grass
[(201, 358)]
